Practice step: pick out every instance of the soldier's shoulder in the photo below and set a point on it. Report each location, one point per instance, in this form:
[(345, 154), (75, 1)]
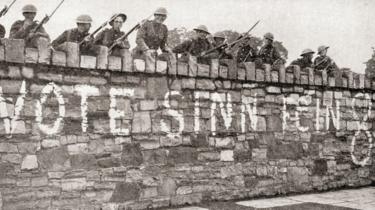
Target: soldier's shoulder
[(17, 22)]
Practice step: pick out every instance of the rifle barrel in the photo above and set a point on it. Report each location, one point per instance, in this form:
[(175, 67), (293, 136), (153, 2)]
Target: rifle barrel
[(62, 1)]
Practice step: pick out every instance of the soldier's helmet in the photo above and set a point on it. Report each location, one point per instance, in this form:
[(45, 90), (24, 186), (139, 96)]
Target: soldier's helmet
[(322, 48), (122, 15), (84, 19), (161, 11), (201, 28), (29, 8), (268, 36), (307, 51), (219, 35)]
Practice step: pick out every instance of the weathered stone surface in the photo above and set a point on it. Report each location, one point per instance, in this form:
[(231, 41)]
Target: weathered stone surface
[(168, 187), (31, 55), (29, 162), (114, 63), (182, 155), (58, 58), (14, 50), (131, 155), (141, 122), (88, 62), (125, 192)]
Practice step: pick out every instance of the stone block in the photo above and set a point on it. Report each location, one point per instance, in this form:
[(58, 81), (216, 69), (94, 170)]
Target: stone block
[(250, 71), (275, 76), (324, 78), (331, 81), (14, 50), (44, 50), (88, 62), (102, 57), (338, 78), (232, 68), (297, 74), (31, 55), (182, 68), (150, 63), (205, 84), (304, 79), (72, 54), (311, 76), (193, 66), (223, 71), (361, 81), (367, 83), (141, 122), (226, 155), (282, 72), (259, 75), (2, 52), (172, 64), (114, 63), (161, 67), (203, 70), (29, 162), (59, 58), (214, 68), (27, 72), (318, 78), (241, 74), (125, 192), (356, 81), (127, 61), (267, 72), (139, 65)]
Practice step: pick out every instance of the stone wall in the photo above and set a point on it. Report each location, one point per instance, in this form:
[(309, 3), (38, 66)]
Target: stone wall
[(116, 133)]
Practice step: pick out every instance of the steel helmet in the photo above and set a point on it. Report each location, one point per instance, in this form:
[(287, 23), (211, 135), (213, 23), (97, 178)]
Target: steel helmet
[(321, 48), (219, 35), (161, 11), (307, 51), (122, 15), (29, 8), (201, 28), (84, 19), (269, 36)]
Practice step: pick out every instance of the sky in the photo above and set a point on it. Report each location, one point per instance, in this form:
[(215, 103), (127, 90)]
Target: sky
[(344, 25)]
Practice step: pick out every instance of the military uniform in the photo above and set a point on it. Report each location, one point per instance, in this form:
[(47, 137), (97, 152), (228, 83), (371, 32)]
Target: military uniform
[(108, 38), (193, 47), (246, 53), (151, 35), (18, 32), (303, 63), (269, 54), (73, 35), (324, 62), (2, 31)]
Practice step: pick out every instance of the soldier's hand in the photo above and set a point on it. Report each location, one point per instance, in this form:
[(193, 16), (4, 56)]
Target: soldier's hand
[(32, 35), (88, 39), (27, 23)]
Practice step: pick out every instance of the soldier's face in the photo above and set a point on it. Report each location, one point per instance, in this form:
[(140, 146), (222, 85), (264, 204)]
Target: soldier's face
[(160, 18), (83, 27), (201, 34), (324, 52), (267, 41), (29, 15), (117, 23)]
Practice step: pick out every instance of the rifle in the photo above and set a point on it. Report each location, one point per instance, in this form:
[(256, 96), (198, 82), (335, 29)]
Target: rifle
[(46, 19), (98, 29), (226, 45), (137, 26), (6, 8)]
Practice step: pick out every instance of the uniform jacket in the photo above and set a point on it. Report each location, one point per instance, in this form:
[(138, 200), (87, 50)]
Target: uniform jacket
[(269, 54), (303, 63), (325, 62), (246, 52), (152, 35), (18, 32), (109, 36)]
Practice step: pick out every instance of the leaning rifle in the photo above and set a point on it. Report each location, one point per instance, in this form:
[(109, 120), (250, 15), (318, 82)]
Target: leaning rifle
[(226, 45), (137, 26), (98, 29), (46, 19), (6, 8)]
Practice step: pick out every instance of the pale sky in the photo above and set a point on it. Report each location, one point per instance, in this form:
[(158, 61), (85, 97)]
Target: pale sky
[(344, 25)]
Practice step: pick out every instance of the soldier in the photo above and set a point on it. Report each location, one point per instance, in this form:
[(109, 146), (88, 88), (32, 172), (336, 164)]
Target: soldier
[(2, 31), (196, 46), (108, 37), (246, 53), (152, 35), (268, 53), (22, 29), (78, 35), (220, 53), (306, 60), (323, 61)]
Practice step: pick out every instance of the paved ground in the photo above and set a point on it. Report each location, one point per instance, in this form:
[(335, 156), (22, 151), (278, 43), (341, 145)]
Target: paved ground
[(363, 198)]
